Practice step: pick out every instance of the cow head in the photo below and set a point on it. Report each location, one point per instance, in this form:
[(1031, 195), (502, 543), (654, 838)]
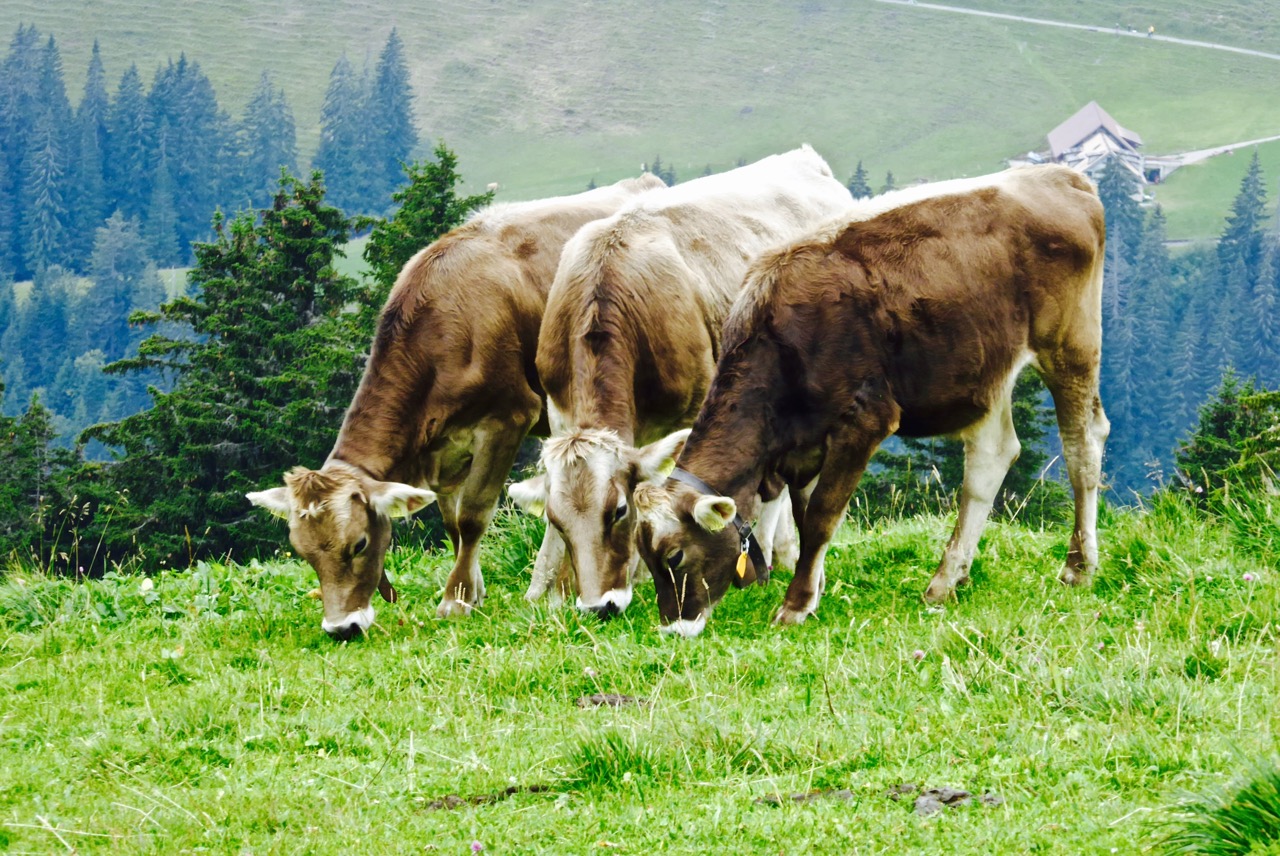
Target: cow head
[(340, 522), (585, 494), (691, 548)]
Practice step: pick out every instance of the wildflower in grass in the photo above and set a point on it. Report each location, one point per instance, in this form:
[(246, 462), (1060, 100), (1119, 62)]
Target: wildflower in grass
[(1248, 578), (476, 847), (1102, 645), (918, 654)]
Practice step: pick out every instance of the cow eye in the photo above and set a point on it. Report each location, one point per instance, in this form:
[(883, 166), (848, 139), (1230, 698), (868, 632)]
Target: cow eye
[(360, 546), (675, 560), (619, 512)]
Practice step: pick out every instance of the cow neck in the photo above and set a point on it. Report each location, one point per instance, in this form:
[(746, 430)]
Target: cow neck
[(375, 432), (732, 441), (604, 391)]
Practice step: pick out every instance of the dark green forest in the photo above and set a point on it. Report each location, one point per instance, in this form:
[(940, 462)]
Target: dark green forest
[(134, 416)]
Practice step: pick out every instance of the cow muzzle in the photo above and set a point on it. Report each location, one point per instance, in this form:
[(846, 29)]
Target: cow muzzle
[(611, 603), (350, 625)]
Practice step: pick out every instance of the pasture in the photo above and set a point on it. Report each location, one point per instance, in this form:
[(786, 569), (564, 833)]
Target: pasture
[(206, 711), (544, 97)]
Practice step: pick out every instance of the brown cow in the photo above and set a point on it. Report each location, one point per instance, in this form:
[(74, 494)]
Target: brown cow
[(629, 345), (448, 395), (916, 321)]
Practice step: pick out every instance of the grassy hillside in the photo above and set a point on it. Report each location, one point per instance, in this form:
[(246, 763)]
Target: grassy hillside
[(209, 711), (544, 96)]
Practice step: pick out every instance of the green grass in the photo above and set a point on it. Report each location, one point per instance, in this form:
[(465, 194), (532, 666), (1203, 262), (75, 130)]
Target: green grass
[(211, 713), (543, 97)]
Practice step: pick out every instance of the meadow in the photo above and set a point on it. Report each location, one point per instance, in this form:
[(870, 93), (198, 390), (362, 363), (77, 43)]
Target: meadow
[(544, 97), (205, 711)]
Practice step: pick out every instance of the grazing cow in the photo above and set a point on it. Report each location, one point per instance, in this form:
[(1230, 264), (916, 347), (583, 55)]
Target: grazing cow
[(916, 321), (629, 345), (448, 395)]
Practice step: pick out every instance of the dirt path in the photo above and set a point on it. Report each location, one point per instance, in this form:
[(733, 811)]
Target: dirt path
[(1110, 31)]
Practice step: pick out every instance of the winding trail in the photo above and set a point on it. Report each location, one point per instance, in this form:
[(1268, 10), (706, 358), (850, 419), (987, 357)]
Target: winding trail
[(1110, 31)]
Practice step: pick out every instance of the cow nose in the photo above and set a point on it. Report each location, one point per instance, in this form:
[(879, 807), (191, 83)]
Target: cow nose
[(343, 632), (605, 610)]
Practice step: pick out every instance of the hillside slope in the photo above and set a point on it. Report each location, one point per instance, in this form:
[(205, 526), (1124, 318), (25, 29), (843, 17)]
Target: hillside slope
[(544, 96)]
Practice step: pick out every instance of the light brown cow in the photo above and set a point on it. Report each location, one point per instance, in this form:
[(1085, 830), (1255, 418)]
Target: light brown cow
[(629, 345), (916, 321), (448, 395)]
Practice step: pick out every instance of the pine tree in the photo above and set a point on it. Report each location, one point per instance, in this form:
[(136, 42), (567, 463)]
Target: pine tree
[(20, 110), (1241, 240), (428, 207), (44, 211), (859, 187), (343, 132), (1117, 188), (396, 137), (1261, 350), (43, 201), (663, 171), (88, 172), (162, 224), (267, 143), (266, 361), (197, 137), (33, 479), (124, 279), (889, 183), (128, 178)]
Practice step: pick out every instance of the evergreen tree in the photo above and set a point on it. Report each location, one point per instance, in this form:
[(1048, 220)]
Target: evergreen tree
[(45, 224), (182, 98), (267, 360), (341, 155), (128, 178), (1118, 188), (1261, 348), (859, 187), (162, 212), (1235, 441), (32, 481), (1241, 240), (663, 171), (88, 172), (428, 207), (124, 280), (268, 143), (44, 211), (395, 137), (20, 110), (889, 183)]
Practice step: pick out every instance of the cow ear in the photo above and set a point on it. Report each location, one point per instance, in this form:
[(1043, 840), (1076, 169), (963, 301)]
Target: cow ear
[(393, 499), (713, 513), (530, 494), (655, 461), (276, 500)]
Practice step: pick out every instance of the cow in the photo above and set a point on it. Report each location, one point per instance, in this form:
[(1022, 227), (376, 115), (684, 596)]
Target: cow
[(915, 321), (449, 393), (628, 347)]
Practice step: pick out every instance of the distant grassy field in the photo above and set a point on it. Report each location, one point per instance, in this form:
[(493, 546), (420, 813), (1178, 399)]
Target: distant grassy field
[(544, 97), (1198, 198), (210, 713)]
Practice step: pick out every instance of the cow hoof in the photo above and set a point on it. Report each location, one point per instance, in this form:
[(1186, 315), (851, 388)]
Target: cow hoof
[(787, 615), (1073, 576), (453, 609)]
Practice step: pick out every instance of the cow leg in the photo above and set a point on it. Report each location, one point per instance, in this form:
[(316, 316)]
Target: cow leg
[(468, 513), (549, 570), (1084, 429), (776, 532), (990, 448), (820, 514)]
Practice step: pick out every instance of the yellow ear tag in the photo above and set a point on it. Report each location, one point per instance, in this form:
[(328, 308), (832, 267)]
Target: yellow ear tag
[(742, 564)]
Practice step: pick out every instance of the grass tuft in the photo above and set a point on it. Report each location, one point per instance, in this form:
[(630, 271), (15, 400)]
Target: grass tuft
[(1244, 821)]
